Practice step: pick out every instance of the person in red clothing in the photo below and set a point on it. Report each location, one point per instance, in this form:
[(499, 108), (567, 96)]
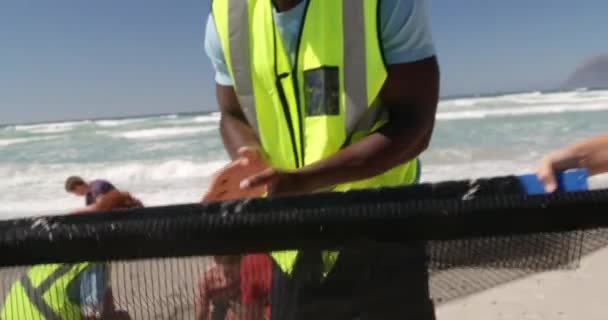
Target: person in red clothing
[(237, 287), (218, 295), (256, 277)]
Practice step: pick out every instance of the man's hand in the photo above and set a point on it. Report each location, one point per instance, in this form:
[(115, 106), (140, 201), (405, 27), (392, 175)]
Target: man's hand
[(250, 176), (276, 182), (225, 185)]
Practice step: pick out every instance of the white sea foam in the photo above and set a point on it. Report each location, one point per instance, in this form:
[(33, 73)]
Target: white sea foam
[(515, 112), (50, 127), (527, 99), (116, 123), (154, 182), (8, 142), (474, 170), (212, 118), (159, 133)]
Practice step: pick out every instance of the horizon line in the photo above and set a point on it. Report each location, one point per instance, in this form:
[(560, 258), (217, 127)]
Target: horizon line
[(208, 111)]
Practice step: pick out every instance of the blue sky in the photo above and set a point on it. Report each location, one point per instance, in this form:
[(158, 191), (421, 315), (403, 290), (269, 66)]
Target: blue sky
[(65, 59)]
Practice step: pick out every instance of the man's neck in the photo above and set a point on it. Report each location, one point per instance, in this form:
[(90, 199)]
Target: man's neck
[(284, 5)]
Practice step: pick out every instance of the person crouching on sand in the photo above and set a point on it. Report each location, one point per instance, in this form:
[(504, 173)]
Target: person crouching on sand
[(112, 200), (89, 190)]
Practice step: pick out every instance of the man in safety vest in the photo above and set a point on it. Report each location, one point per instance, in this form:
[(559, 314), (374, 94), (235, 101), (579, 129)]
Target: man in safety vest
[(329, 95), (77, 291)]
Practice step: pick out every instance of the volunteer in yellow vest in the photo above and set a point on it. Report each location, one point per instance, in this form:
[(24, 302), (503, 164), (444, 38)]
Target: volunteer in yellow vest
[(79, 291), (47, 292), (328, 95)]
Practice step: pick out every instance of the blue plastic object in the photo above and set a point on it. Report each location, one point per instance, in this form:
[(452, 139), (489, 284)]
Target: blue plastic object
[(571, 180)]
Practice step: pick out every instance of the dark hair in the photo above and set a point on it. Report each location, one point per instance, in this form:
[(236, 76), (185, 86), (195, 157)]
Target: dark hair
[(73, 182)]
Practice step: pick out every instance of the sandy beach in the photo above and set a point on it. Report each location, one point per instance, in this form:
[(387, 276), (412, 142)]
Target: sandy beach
[(164, 289), (562, 294)]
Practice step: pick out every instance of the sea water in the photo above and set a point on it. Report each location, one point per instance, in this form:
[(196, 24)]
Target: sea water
[(169, 159)]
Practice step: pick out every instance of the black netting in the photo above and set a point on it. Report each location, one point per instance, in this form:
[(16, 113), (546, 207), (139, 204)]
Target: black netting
[(398, 247)]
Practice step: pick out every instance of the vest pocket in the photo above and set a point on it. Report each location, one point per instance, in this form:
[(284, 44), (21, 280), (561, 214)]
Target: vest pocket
[(322, 91)]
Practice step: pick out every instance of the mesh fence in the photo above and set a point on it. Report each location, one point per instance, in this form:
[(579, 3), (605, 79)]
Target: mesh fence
[(402, 252)]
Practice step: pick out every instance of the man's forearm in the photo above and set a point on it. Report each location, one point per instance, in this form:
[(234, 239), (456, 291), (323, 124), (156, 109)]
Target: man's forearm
[(236, 133), (371, 156), (234, 128)]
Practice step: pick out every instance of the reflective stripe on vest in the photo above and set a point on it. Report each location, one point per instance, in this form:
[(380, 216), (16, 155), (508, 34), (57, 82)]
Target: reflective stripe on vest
[(238, 18), (42, 294), (276, 100), (36, 294)]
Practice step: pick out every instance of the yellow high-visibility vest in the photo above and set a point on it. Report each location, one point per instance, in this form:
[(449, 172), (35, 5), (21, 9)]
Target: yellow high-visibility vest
[(305, 112), (41, 294)]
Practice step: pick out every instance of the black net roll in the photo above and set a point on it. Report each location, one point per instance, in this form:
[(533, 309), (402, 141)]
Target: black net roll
[(400, 249)]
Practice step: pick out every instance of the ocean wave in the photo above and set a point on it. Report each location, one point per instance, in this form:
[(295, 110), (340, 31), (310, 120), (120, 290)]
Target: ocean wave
[(207, 118), (168, 170), (8, 142), (474, 101), (159, 133), (15, 174), (515, 112), (474, 170), (526, 99), (158, 146), (59, 202), (117, 123), (155, 182), (51, 199), (50, 127)]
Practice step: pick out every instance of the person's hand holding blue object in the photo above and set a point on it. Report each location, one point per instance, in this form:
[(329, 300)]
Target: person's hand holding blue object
[(590, 154), (565, 181)]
